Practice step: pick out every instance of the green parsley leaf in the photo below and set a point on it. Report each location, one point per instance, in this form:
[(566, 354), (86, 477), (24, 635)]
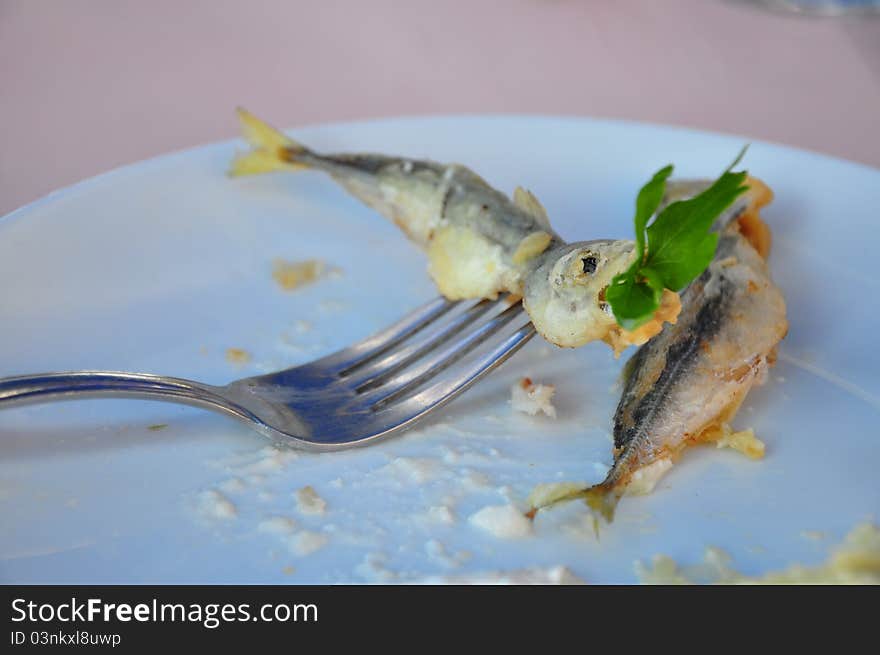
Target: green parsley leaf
[(649, 198), (639, 298), (675, 248)]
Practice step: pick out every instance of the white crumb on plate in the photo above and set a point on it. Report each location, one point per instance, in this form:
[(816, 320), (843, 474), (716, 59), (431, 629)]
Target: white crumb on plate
[(269, 460), (502, 521), (277, 525), (474, 480), (532, 399), (372, 569), (307, 542), (412, 469), (438, 515), (439, 554), (309, 502), (214, 505)]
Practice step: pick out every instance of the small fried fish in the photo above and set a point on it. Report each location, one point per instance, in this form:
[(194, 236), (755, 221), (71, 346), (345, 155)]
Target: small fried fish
[(479, 242), (685, 385)]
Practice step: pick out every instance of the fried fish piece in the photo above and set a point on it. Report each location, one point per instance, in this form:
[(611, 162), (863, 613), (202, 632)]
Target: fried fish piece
[(685, 385), (479, 242)]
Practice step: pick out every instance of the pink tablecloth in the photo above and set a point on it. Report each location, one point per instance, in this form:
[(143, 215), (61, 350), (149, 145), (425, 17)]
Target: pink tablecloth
[(92, 84)]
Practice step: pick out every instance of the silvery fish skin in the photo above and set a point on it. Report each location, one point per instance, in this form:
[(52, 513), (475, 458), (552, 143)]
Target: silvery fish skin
[(479, 242), (687, 382)]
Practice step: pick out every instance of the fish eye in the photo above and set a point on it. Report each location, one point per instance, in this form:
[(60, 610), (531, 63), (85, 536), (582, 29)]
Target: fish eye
[(581, 266)]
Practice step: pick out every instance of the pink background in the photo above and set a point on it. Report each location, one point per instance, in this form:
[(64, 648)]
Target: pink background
[(92, 84)]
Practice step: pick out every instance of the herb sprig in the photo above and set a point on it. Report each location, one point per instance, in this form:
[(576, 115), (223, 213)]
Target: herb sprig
[(675, 248)]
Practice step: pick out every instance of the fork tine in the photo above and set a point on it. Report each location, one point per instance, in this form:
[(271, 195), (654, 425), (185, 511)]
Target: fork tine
[(372, 373), (388, 388), (443, 391), (375, 345)]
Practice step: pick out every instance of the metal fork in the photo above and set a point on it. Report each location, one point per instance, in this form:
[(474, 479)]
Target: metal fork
[(352, 397)]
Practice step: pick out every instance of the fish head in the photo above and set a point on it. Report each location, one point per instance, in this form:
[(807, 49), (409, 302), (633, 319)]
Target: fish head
[(565, 294)]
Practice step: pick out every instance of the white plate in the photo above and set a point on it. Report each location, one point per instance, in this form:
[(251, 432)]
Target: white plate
[(163, 265)]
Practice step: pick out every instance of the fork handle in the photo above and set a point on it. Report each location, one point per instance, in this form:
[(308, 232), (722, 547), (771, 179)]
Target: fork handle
[(49, 387)]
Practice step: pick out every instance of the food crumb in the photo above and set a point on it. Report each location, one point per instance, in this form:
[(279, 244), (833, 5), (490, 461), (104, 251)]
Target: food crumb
[(474, 479), (277, 525), (438, 553), (292, 275), (531, 398), (157, 426), (437, 515), (372, 568), (502, 521), (743, 441), (213, 504), (309, 502), (271, 460), (306, 542), (855, 561), (288, 570), (412, 469), (237, 356)]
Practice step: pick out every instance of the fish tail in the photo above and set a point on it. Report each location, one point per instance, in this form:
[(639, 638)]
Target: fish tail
[(602, 500), (271, 150)]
